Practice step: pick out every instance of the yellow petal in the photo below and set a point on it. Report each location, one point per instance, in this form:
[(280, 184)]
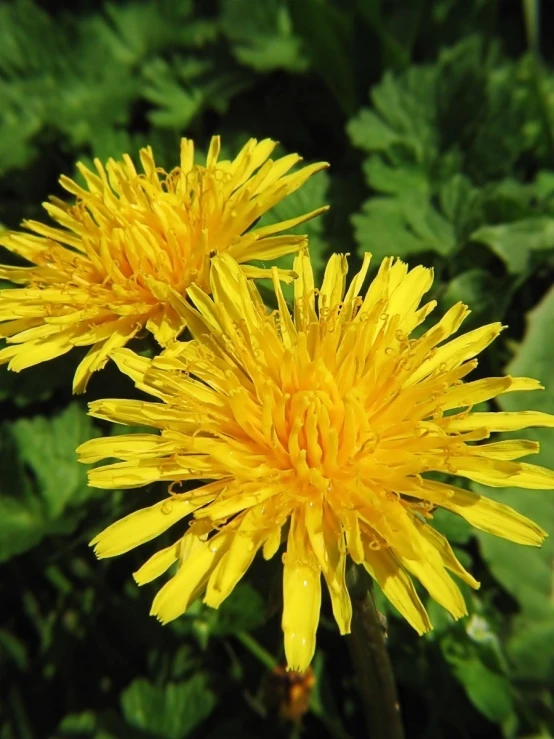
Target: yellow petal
[(191, 578), (458, 351), (430, 570), (501, 421), (334, 281), (141, 526), (398, 587), (238, 558), (235, 501), (451, 562), (122, 447), (137, 473), (471, 393), (27, 355), (286, 326), (304, 291), (354, 543), (483, 513), (354, 288), (273, 542), (157, 564), (508, 449), (301, 597), (326, 539), (497, 473)]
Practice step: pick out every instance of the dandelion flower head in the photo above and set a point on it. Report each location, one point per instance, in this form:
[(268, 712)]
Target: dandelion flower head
[(319, 429), (118, 258)]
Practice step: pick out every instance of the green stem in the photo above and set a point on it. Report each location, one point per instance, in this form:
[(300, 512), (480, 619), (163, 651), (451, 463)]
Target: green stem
[(371, 661), (256, 649)]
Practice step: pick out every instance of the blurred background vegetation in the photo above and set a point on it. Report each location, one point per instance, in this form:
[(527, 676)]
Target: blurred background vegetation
[(437, 117)]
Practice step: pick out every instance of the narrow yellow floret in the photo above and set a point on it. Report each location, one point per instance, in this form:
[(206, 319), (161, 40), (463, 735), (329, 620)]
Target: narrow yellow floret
[(122, 257), (317, 428)]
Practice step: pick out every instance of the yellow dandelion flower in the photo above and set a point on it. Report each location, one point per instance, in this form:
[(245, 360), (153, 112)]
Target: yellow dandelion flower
[(318, 428), (115, 259)]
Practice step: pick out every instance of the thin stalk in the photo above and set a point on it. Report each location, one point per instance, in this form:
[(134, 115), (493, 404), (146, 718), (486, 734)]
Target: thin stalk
[(370, 658), (256, 650)]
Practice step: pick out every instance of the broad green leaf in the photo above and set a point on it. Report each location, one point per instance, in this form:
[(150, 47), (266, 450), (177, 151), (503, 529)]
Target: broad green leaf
[(479, 290), (262, 36), (403, 119), (134, 31), (488, 690), (544, 184), (490, 693), (169, 712), (391, 180), (514, 242), (47, 446), (402, 227), (368, 131), (177, 103), (529, 652), (186, 87), (41, 483)]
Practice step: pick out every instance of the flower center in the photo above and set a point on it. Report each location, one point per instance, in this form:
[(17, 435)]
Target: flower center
[(139, 234), (327, 435)]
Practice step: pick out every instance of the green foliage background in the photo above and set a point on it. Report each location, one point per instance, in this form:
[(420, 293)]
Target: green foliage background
[(437, 117)]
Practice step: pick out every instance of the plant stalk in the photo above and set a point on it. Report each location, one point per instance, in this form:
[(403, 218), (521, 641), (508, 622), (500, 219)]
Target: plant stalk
[(370, 658)]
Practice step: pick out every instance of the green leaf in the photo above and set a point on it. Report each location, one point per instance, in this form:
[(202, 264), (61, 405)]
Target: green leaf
[(177, 103), (403, 123), (47, 446), (135, 31), (432, 132), (183, 89), (530, 658), (403, 181), (171, 712), (262, 36), (402, 226), (490, 693), (369, 132), (514, 242), (479, 290), (42, 478)]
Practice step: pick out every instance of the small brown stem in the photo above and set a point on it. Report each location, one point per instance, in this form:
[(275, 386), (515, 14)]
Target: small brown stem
[(370, 658)]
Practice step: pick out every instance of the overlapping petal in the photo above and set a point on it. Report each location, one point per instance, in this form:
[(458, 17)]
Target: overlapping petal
[(319, 428), (123, 255)]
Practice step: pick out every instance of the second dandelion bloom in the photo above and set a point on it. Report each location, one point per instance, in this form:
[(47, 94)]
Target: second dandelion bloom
[(119, 258), (318, 428)]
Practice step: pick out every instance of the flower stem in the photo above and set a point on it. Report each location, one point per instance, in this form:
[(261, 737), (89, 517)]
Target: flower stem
[(371, 661), (256, 649)]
